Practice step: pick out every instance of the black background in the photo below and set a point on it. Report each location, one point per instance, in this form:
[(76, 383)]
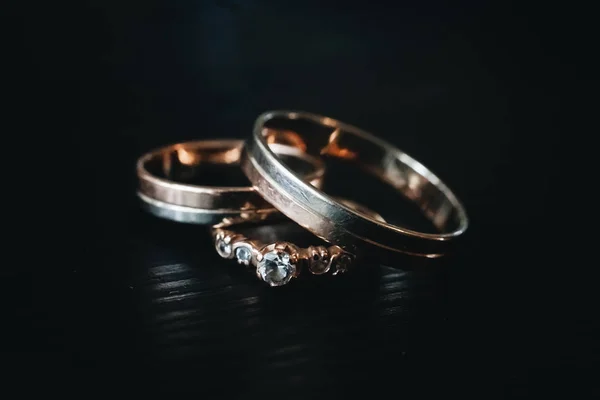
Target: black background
[(105, 298)]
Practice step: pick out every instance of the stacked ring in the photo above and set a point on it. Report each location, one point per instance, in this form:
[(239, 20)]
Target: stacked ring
[(284, 163)]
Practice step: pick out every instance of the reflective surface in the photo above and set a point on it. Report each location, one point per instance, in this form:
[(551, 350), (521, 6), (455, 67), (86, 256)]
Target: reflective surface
[(205, 317)]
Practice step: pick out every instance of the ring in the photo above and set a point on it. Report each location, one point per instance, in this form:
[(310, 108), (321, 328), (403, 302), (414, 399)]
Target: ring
[(329, 219), (165, 174), (277, 263)]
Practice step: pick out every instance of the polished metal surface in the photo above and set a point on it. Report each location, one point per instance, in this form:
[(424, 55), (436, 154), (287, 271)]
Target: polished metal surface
[(164, 195), (201, 216), (329, 218)]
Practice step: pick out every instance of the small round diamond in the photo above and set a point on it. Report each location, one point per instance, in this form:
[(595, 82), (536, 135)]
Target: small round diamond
[(318, 262), (342, 263), (223, 248), (319, 266), (243, 255), (275, 268)]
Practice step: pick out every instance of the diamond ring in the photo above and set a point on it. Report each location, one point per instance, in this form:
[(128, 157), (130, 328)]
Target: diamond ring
[(278, 263)]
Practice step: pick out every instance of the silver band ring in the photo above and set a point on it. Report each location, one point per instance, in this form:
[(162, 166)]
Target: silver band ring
[(333, 221)]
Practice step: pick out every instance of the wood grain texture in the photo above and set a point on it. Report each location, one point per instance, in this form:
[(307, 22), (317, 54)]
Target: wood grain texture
[(206, 323)]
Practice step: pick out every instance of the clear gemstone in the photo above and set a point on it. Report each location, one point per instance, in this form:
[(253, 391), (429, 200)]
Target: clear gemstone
[(319, 266), (275, 268), (342, 263), (243, 254), (318, 262), (223, 248)]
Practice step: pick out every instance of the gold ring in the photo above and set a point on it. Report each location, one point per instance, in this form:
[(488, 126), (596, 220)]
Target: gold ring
[(166, 180), (279, 262), (331, 220)]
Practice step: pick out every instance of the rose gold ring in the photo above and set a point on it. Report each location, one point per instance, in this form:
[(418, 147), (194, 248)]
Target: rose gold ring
[(168, 180), (279, 262), (337, 224)]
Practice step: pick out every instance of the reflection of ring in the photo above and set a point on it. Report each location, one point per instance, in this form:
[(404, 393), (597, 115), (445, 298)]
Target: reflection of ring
[(162, 191), (329, 219), (277, 263)]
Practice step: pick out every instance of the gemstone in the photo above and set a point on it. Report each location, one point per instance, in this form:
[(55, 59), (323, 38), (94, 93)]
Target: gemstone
[(319, 266), (223, 248), (342, 264), (318, 263), (243, 255), (276, 268)]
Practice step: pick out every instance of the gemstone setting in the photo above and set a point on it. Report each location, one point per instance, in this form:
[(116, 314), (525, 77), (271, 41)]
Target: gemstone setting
[(223, 247), (276, 268), (342, 263), (243, 255), (318, 260)]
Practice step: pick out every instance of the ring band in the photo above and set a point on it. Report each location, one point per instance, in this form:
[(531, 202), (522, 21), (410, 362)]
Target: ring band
[(277, 263), (199, 216), (329, 219), (163, 195)]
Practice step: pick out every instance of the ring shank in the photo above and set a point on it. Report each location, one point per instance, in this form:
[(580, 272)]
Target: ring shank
[(385, 162), (335, 222), (199, 216), (164, 176)]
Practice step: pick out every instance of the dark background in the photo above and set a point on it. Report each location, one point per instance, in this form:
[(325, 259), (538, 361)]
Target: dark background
[(105, 298)]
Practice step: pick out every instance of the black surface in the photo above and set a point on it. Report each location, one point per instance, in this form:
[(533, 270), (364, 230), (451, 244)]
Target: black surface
[(106, 298)]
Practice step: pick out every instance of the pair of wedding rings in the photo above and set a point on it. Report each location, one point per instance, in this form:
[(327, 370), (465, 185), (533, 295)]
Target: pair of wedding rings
[(284, 163)]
